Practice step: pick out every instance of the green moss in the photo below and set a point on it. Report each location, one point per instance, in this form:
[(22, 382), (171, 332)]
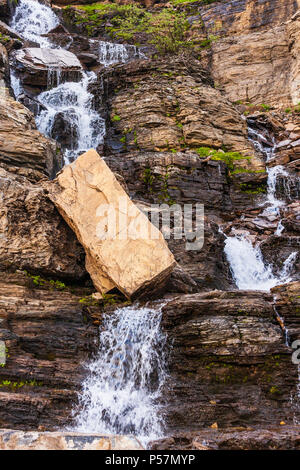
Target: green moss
[(245, 170), (266, 107), (227, 157), (115, 118), (206, 43), (274, 390), (253, 188), (148, 178), (20, 384), (107, 299), (38, 281), (89, 301), (184, 2), (4, 39)]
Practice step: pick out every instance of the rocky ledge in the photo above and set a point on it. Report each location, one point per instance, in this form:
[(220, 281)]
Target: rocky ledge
[(17, 440), (280, 438), (229, 362)]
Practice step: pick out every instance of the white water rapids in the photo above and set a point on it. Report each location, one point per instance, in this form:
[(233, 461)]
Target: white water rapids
[(32, 20), (122, 390), (71, 103), (248, 267), (249, 270)]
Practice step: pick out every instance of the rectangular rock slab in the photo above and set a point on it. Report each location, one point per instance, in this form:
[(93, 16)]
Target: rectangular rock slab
[(41, 58), (132, 261)]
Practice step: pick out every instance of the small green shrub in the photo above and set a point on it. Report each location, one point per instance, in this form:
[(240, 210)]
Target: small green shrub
[(49, 284), (165, 29), (228, 157)]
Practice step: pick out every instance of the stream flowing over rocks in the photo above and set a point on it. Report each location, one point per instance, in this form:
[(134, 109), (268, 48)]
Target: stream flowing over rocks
[(177, 349)]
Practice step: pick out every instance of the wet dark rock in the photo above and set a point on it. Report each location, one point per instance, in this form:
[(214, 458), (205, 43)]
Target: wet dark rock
[(87, 59), (64, 129), (33, 234), (288, 306), (5, 10), (48, 336), (229, 363), (4, 67), (7, 31), (37, 67), (238, 438), (277, 249)]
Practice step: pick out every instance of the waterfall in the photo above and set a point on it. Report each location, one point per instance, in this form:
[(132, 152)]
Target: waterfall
[(261, 143), (282, 325), (110, 53), (69, 117), (124, 383), (32, 20), (15, 83), (247, 265), (273, 174), (248, 268), (67, 113)]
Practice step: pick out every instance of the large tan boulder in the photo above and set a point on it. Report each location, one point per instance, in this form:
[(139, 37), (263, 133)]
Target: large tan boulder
[(135, 257)]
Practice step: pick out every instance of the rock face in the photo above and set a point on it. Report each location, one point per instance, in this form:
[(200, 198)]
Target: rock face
[(33, 234), (20, 143), (48, 336), (229, 360), (17, 440), (161, 115), (173, 136), (4, 69), (276, 438), (288, 306), (182, 178), (35, 64), (7, 31), (132, 262), (258, 43), (293, 29), (163, 107), (4, 10)]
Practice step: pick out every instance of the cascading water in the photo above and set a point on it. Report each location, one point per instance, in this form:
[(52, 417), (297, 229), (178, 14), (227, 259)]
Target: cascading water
[(110, 53), (71, 102), (15, 84), (32, 20), (67, 108), (67, 113), (124, 383), (248, 268)]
